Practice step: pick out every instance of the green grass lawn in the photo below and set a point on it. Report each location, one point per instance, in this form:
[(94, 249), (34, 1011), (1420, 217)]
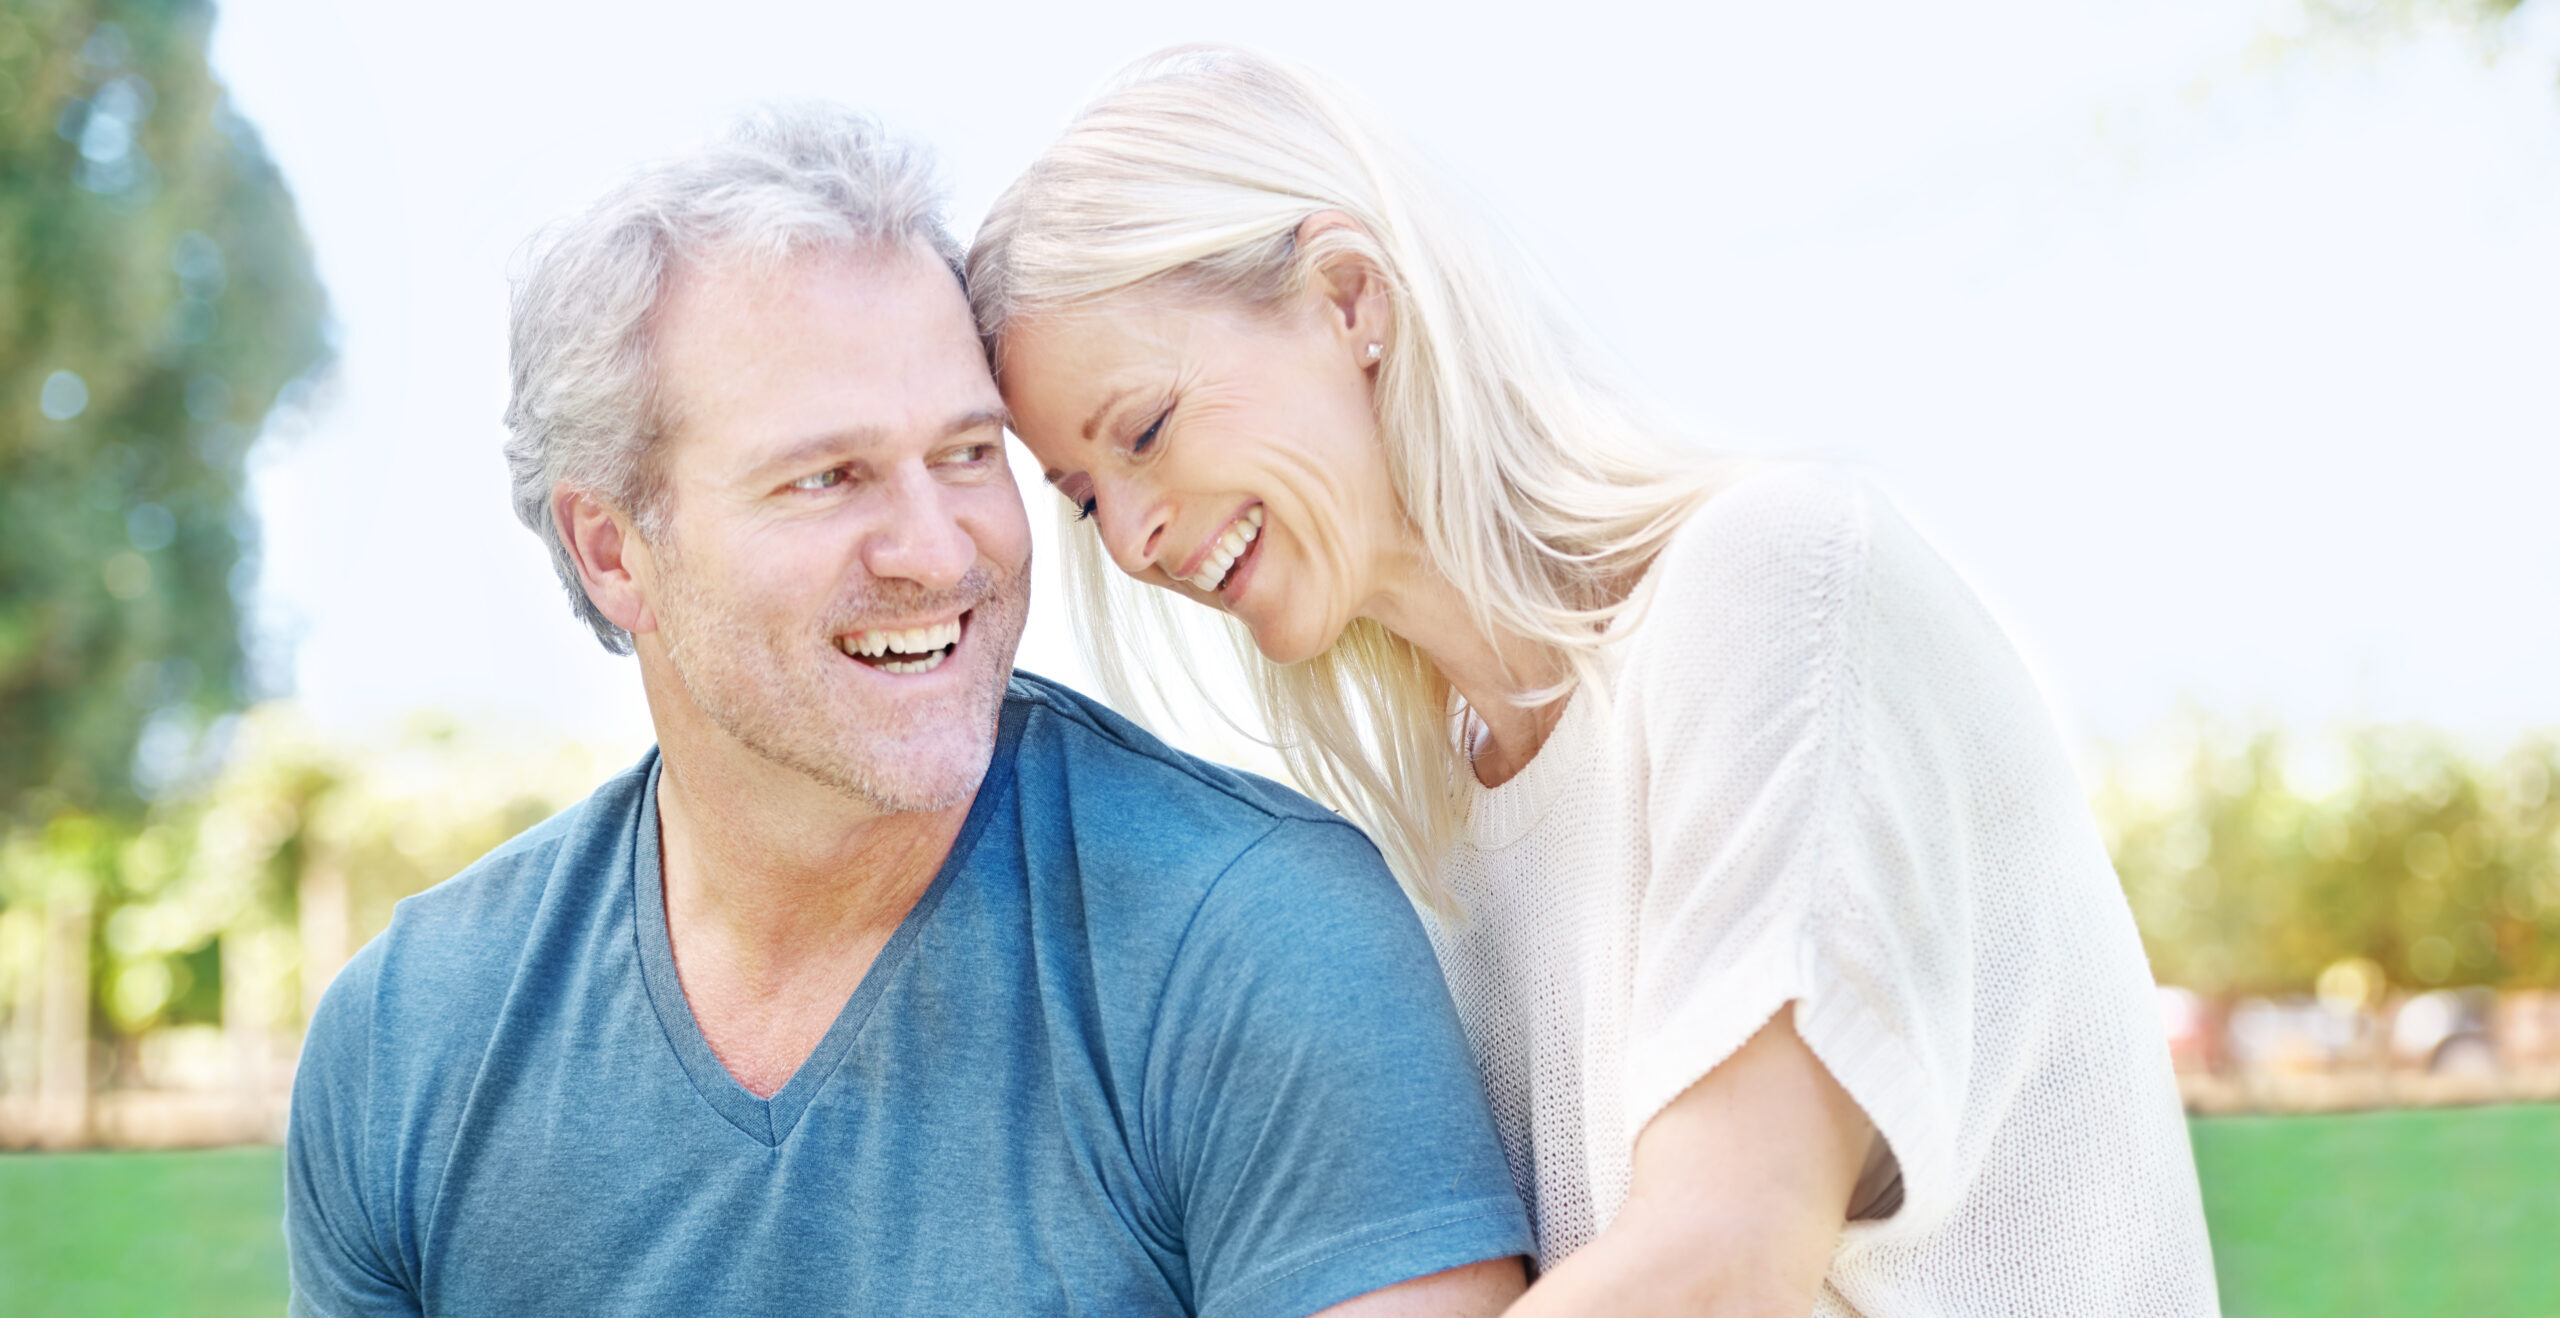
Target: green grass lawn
[(152, 1235), (2410, 1214), (2450, 1211)]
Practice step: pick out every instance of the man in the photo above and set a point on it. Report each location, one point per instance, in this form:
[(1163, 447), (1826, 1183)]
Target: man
[(884, 985)]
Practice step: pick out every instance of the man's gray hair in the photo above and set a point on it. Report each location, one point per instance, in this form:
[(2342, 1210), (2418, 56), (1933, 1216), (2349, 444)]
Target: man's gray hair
[(585, 411)]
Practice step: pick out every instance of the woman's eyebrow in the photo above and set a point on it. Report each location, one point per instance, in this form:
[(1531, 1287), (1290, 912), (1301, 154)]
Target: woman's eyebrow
[(1103, 409)]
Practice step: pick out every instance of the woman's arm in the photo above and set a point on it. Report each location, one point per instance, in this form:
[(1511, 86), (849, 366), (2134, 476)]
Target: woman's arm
[(1740, 1189), (1478, 1290)]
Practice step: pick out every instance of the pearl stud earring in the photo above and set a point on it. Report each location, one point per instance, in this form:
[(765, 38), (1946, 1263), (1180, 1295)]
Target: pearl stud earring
[(1376, 350)]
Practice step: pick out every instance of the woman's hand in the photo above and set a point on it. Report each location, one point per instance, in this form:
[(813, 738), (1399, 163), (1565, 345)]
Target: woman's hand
[(1740, 1189)]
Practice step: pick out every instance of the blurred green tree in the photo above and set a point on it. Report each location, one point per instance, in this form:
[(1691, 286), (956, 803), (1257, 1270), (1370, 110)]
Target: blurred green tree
[(2253, 861), (2369, 15), (2376, 23), (156, 297)]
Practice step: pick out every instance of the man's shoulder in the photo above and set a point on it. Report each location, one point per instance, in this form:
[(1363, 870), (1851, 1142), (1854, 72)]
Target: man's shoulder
[(1169, 827), (463, 940), (1071, 733), (502, 889)]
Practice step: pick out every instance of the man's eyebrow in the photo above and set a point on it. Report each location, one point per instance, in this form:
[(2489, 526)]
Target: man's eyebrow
[(1094, 422), (819, 447), (978, 420)]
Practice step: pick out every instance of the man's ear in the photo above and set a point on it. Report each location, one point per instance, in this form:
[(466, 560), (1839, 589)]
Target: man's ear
[(1347, 278), (614, 564)]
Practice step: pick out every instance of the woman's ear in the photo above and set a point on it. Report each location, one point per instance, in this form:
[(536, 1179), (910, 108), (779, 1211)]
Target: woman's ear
[(1346, 277)]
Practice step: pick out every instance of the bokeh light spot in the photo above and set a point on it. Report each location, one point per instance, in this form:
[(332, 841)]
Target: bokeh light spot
[(140, 991), (65, 395), (209, 397), (197, 259), (106, 48), (127, 575), (150, 527), (2428, 855)]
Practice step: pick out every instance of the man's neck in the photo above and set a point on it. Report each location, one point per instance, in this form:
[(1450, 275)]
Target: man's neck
[(784, 870), (780, 891)]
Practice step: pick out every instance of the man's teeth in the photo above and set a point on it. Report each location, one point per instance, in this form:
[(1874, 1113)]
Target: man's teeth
[(1222, 559), (930, 645)]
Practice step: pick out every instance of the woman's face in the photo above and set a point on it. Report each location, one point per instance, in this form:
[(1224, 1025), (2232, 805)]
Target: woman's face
[(1229, 455)]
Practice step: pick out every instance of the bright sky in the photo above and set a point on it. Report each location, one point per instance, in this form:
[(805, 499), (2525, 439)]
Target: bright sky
[(2222, 379)]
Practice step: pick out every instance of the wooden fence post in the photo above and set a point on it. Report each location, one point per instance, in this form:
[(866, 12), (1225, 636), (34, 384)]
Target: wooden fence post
[(62, 1052)]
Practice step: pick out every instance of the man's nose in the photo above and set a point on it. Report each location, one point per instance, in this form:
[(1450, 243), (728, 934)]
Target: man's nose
[(919, 536), (1133, 525)]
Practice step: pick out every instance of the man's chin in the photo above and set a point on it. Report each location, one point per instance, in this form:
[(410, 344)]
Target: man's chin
[(905, 778), (907, 798)]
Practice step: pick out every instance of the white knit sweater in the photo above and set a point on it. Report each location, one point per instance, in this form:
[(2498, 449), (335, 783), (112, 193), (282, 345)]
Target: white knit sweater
[(1819, 774)]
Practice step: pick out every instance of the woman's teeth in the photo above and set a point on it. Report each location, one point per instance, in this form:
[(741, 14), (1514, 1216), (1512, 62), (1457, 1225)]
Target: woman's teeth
[(929, 646), (1222, 557)]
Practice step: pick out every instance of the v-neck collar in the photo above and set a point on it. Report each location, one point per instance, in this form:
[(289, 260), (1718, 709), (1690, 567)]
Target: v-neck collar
[(770, 1120)]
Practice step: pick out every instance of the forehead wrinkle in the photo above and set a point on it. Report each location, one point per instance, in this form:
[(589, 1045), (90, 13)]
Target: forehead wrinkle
[(1139, 338)]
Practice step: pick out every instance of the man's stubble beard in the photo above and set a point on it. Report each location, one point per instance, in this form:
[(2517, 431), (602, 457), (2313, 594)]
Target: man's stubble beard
[(757, 687)]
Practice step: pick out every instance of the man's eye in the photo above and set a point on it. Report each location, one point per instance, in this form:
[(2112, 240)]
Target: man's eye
[(819, 480), (968, 453)]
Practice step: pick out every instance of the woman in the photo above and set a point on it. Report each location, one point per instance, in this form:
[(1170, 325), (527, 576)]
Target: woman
[(1797, 972)]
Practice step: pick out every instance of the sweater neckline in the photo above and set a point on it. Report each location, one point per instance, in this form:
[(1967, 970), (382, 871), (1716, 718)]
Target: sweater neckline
[(1496, 817), (1499, 816)]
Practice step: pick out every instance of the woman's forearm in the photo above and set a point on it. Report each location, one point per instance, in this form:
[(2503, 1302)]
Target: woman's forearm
[(1740, 1190), (1629, 1274)]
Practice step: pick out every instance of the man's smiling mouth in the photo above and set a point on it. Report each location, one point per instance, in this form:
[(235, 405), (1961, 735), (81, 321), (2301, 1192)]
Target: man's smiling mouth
[(904, 650)]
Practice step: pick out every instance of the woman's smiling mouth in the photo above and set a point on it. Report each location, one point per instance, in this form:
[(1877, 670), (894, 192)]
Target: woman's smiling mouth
[(1220, 557)]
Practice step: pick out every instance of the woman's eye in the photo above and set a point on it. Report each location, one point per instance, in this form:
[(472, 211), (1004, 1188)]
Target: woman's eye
[(1147, 437), (1077, 490), (819, 480)]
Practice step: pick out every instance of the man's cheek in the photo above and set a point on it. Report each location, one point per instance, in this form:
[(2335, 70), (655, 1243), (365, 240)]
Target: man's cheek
[(1003, 533)]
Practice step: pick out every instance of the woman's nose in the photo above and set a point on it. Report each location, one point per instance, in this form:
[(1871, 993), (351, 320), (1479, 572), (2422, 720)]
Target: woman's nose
[(1133, 525)]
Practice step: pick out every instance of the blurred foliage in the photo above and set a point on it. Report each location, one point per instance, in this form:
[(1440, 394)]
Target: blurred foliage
[(2253, 860), (156, 297), (2400, 15), (224, 871), (2381, 23)]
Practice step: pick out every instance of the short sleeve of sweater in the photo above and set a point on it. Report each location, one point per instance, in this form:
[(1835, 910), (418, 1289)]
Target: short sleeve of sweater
[(1814, 687)]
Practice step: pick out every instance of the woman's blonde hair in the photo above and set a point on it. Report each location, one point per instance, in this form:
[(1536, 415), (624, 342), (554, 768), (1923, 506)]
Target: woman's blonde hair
[(1537, 489)]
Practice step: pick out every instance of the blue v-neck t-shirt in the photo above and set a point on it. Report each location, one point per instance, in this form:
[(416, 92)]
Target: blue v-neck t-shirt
[(1160, 1038)]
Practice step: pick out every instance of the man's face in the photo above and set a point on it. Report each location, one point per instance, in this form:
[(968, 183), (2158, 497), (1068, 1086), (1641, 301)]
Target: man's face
[(843, 567)]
